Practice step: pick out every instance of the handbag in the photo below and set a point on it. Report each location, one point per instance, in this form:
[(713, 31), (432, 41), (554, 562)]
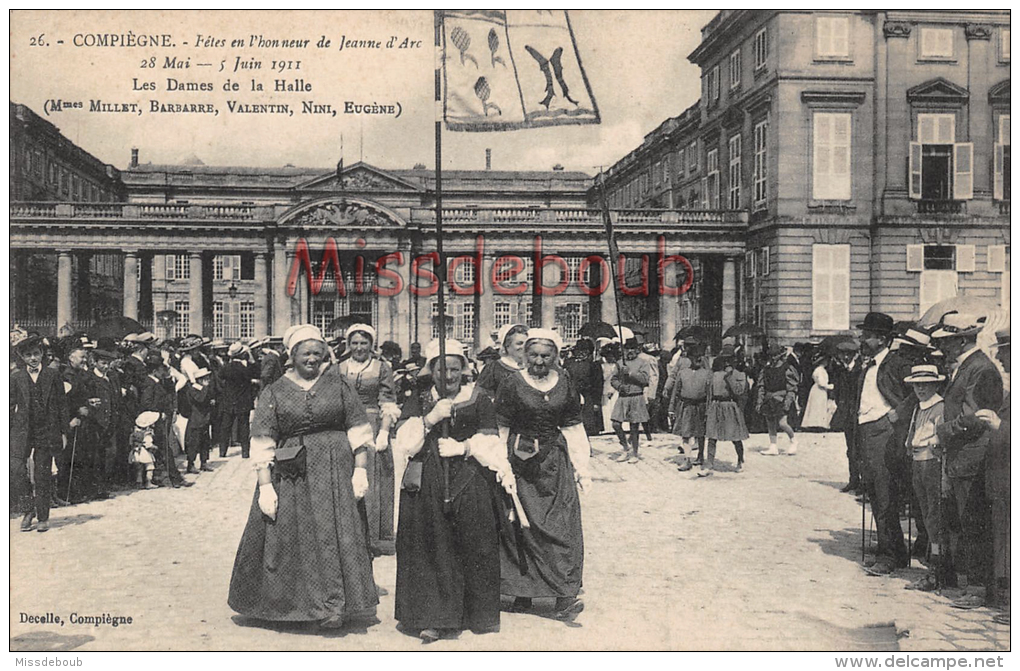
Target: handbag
[(411, 482)]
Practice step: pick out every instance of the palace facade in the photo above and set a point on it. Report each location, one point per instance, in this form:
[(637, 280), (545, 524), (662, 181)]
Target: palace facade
[(836, 163)]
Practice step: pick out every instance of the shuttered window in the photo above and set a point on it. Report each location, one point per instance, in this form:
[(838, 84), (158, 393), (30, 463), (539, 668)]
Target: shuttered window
[(830, 287), (831, 144), (832, 37)]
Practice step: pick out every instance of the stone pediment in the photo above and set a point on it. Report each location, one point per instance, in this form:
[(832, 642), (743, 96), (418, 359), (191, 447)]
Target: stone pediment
[(341, 213), (359, 177), (999, 94), (938, 91)]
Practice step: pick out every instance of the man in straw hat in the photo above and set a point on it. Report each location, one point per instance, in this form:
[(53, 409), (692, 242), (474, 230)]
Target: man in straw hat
[(39, 427), (975, 384), (926, 463), (235, 399)]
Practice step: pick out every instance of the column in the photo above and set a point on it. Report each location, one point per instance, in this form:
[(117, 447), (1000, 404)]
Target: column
[(131, 283), (281, 301), (298, 303), (64, 315), (729, 292), (669, 317), (404, 303), (608, 298), (197, 314), (261, 295), (485, 309), (550, 278)]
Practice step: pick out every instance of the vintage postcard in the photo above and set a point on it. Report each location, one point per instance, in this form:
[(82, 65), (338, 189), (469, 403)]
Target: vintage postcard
[(510, 330)]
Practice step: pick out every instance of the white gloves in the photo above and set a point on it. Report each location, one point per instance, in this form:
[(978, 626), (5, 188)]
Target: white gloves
[(382, 441), (448, 447), (442, 410), (268, 501), (359, 481), (508, 481)]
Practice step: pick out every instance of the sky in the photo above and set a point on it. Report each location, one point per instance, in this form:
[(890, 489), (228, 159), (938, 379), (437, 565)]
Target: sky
[(636, 64)]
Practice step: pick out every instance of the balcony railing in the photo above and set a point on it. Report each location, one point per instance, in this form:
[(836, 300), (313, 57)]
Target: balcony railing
[(231, 212), (940, 207), (135, 211)]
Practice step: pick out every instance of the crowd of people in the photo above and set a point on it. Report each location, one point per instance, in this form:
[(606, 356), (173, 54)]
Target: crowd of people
[(471, 469)]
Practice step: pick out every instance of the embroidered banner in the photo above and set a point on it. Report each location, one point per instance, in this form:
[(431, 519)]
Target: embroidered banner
[(511, 69)]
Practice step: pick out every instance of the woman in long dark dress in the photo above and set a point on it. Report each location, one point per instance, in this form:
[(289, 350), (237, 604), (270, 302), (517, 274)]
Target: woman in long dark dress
[(511, 339), (448, 555), (372, 378), (303, 555), (539, 415)]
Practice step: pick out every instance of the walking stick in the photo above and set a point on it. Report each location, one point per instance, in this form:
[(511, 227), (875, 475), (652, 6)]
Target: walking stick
[(70, 475)]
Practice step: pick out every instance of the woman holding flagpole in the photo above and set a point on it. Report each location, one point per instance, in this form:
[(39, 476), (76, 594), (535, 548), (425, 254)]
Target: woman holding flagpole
[(539, 416), (448, 559)]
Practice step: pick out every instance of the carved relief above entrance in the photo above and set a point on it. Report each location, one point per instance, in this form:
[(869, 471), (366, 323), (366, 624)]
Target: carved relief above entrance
[(341, 213)]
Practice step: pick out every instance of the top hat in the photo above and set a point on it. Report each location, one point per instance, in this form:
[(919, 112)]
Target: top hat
[(1001, 338), (877, 321)]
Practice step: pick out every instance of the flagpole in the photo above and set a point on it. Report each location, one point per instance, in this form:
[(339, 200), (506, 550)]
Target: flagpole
[(607, 222), (441, 264)]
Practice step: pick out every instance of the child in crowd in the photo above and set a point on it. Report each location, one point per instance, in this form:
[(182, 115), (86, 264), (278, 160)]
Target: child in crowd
[(142, 445)]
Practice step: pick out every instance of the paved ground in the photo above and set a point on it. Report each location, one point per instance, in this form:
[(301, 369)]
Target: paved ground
[(760, 560)]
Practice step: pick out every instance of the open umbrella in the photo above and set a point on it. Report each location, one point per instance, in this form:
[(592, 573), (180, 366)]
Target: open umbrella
[(695, 332), (115, 328), (744, 329), (595, 330)]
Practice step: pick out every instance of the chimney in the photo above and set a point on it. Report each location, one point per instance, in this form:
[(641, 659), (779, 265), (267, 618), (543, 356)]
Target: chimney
[(134, 157), (488, 159)]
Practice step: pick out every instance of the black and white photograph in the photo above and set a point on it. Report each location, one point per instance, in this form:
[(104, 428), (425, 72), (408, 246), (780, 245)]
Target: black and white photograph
[(510, 331)]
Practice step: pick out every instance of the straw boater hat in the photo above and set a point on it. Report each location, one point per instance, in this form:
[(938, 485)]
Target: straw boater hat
[(146, 419), (924, 373), (957, 324), (202, 372), (235, 349), (190, 342)]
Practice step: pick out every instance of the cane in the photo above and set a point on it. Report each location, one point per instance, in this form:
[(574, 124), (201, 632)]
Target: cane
[(70, 475), (169, 452)]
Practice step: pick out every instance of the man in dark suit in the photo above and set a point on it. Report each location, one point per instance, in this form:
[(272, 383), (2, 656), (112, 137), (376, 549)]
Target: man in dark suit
[(272, 365), (104, 403), (881, 392), (236, 398), (157, 395), (974, 385), (39, 424), (997, 485), (74, 463)]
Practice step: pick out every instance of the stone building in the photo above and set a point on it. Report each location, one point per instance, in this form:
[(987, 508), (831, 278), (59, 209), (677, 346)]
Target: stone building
[(869, 149)]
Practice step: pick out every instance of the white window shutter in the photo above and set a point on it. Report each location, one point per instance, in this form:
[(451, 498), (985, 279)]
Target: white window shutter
[(929, 290), (704, 193), (965, 258), (915, 258), (915, 170), (926, 133), (963, 171), (749, 263), (840, 287), (170, 267), (996, 258), (999, 160), (766, 266)]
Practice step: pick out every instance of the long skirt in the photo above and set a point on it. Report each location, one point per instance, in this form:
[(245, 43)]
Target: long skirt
[(547, 559), (818, 413), (725, 421), (448, 564), (379, 499), (311, 562)]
